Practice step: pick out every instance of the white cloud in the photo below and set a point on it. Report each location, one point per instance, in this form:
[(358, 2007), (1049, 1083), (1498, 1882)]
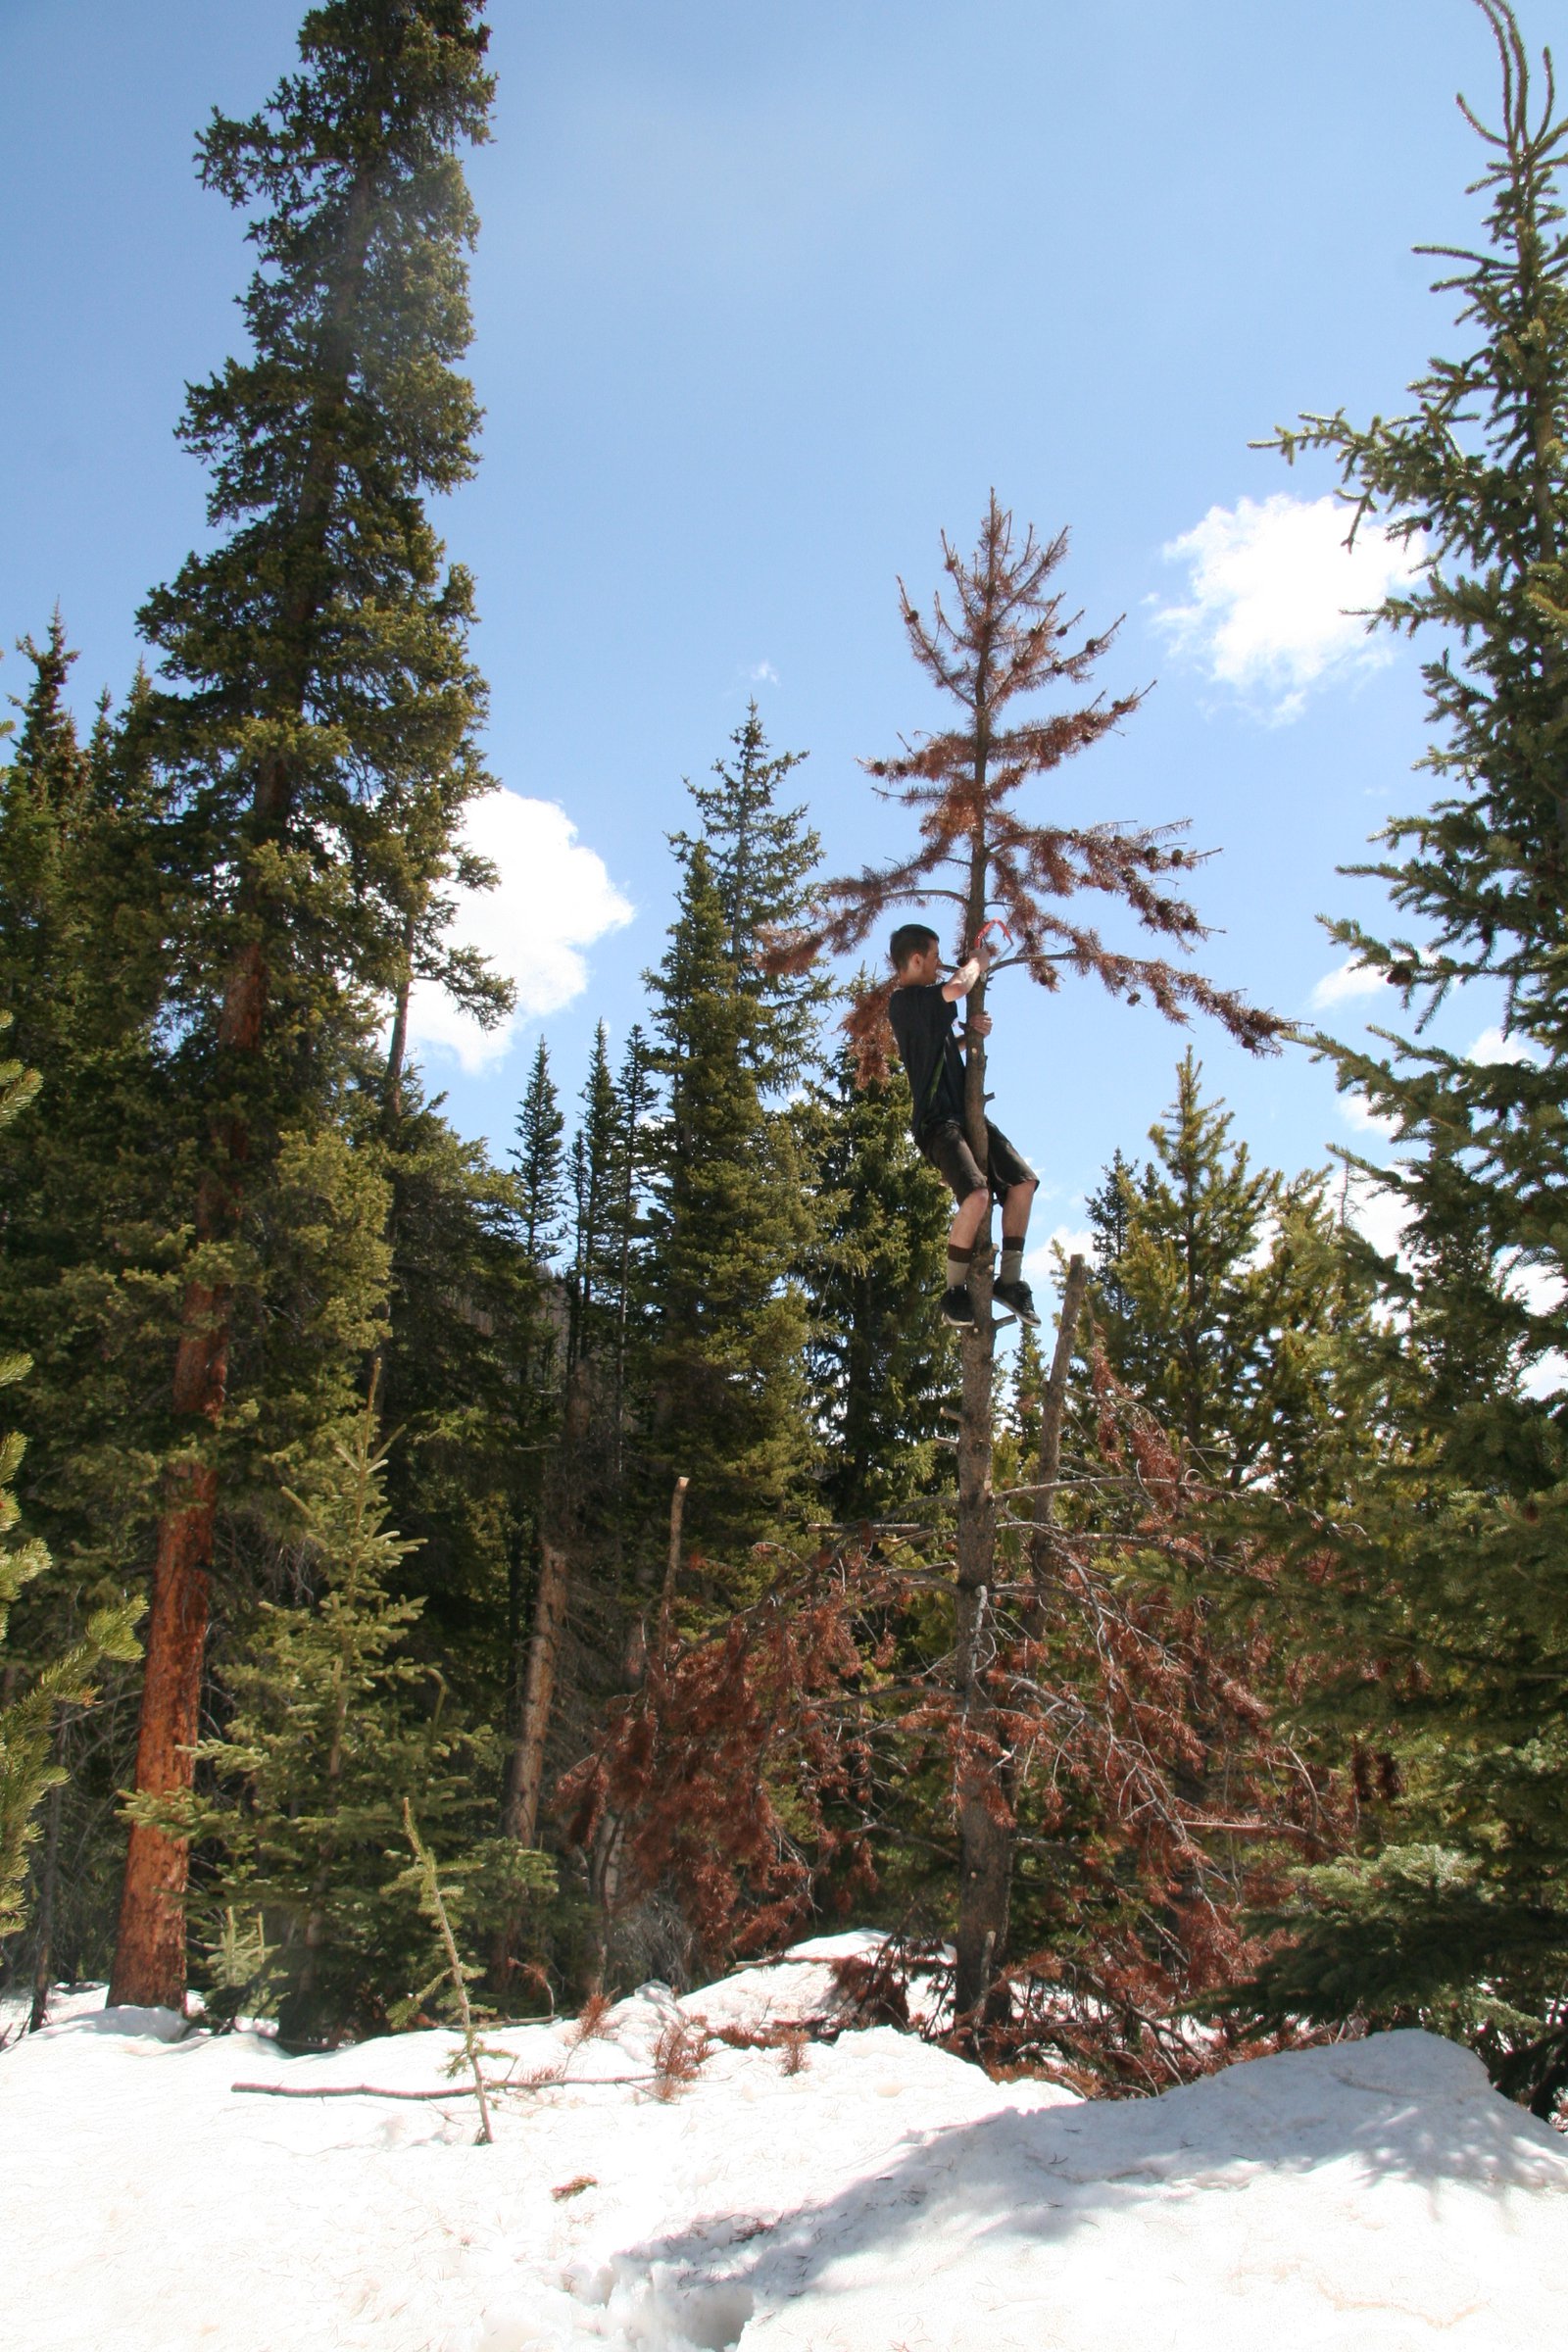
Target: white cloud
[(1493, 1045), (1384, 1218), (553, 897), (762, 674), (1542, 1290), (1039, 1265), (1376, 1213), (1275, 596), (1546, 1375), (1358, 1114), (1348, 979)]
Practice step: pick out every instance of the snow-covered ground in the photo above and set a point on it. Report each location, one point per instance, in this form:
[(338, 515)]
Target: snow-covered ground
[(875, 2195)]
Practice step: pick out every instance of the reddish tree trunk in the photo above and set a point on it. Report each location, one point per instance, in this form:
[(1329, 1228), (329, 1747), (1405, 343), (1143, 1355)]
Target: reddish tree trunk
[(150, 1945), (150, 1948)]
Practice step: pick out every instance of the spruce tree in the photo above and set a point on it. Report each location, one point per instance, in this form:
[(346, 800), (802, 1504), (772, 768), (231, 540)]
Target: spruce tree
[(761, 857), (536, 1161), (1454, 1575), (726, 1321), (636, 1095), (880, 1360), (88, 1227), (41, 806), (596, 1191), (1230, 1301), (720, 1317), (337, 1723), (92, 1230), (1107, 1208), (314, 716), (29, 1769)]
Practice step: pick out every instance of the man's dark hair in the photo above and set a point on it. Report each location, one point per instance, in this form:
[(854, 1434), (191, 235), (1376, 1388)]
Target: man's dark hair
[(909, 939)]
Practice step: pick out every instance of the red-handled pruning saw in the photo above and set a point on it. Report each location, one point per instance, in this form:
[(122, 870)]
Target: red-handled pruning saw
[(995, 923)]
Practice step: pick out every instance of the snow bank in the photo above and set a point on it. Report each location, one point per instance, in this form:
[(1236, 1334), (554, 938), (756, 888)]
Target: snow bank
[(1375, 2195)]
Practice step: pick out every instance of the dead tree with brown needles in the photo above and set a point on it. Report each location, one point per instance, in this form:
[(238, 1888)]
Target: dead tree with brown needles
[(761, 1770), (1005, 640)]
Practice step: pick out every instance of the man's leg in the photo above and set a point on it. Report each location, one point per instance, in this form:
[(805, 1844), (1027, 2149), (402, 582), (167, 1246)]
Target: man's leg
[(1012, 1288), (966, 1219), (950, 1155), (1017, 1202), (956, 1305)]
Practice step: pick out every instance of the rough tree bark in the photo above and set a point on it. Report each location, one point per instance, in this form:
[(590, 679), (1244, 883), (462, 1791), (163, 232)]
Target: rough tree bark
[(525, 1766), (984, 1827)]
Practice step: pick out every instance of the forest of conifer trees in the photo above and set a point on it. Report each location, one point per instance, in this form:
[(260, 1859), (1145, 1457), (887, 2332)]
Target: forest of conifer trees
[(1185, 1678)]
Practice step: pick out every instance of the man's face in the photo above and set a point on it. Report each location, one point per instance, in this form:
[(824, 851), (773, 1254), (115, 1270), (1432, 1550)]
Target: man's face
[(922, 968)]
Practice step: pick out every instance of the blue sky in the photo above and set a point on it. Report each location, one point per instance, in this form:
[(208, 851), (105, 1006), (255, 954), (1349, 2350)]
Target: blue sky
[(767, 296)]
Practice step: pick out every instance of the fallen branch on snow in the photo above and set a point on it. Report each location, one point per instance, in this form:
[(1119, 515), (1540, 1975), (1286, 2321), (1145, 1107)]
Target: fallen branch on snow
[(458, 2090)]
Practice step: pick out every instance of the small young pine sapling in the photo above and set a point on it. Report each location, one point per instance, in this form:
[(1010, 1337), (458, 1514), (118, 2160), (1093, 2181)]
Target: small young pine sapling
[(432, 1902)]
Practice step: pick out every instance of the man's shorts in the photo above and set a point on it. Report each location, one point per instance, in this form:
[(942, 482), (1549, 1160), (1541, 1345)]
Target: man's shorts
[(946, 1148)]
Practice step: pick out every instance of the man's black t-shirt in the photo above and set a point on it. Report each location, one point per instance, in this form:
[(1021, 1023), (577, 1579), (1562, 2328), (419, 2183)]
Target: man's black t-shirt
[(922, 1022)]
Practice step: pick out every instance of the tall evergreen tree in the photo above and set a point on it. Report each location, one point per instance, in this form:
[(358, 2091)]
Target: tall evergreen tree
[(636, 1097), (1457, 1569), (92, 1230), (760, 857), (596, 1191), (537, 1163), (316, 721), (726, 1321), (45, 790), (1107, 1208)]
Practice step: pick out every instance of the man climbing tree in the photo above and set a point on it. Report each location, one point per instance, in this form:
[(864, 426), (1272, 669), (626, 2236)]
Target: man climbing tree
[(921, 1010), (1006, 639)]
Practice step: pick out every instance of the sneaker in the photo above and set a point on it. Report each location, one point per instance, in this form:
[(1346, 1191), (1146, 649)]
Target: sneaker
[(957, 1307), (1020, 1298)]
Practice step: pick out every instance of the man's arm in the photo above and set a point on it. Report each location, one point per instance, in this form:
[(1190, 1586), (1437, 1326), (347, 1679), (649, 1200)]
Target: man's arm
[(965, 978)]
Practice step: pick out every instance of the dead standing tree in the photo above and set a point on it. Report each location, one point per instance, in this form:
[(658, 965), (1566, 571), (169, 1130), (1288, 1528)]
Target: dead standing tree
[(1006, 639)]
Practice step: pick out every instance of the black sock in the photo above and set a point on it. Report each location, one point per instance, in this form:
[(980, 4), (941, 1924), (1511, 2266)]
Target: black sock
[(958, 1261), (1011, 1259)]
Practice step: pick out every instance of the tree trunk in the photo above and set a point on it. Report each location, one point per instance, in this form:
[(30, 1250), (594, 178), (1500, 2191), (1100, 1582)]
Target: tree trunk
[(985, 1822), (1052, 1409), (607, 1859), (398, 1043), (678, 1516), (526, 1771), (48, 1892), (150, 1945), (525, 1767)]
